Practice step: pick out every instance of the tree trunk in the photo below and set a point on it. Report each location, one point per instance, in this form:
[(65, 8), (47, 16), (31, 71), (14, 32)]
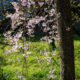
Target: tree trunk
[(66, 44)]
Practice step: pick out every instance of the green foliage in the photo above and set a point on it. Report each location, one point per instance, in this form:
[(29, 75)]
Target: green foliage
[(75, 6)]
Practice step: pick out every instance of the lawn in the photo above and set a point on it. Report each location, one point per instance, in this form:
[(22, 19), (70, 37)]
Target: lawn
[(42, 63)]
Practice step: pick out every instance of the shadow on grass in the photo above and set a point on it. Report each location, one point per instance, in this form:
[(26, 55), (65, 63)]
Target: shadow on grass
[(76, 37)]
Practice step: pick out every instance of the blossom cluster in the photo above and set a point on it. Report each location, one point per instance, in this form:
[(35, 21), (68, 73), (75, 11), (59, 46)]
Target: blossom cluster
[(32, 12)]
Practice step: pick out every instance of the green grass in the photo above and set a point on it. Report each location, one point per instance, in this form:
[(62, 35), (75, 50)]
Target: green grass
[(33, 70), (77, 56)]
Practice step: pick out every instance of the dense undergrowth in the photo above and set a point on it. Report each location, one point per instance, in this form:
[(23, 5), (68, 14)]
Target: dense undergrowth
[(36, 66)]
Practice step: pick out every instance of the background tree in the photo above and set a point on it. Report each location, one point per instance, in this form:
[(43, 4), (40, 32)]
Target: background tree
[(65, 30)]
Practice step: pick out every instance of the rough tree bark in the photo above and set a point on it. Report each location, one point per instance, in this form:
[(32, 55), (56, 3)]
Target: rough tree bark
[(65, 31)]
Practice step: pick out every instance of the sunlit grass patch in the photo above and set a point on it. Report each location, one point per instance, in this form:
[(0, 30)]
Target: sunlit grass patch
[(36, 66)]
